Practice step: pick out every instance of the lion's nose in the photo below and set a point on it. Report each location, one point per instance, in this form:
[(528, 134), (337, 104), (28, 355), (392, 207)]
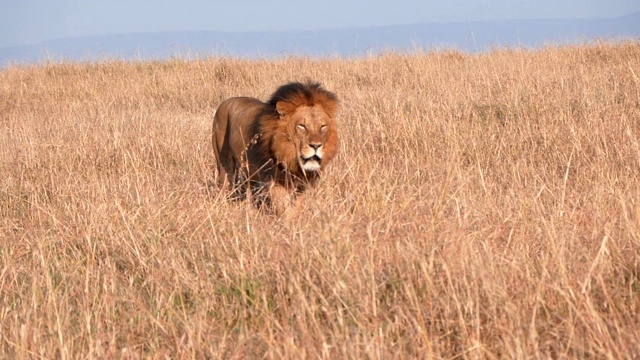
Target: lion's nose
[(315, 146)]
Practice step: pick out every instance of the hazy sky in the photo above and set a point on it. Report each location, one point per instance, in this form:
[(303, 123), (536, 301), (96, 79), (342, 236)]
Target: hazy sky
[(32, 21)]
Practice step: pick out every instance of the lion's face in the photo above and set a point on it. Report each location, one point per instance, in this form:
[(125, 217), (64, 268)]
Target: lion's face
[(313, 134), (311, 130)]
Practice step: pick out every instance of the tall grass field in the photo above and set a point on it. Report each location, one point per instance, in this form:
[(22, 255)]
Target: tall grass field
[(481, 206)]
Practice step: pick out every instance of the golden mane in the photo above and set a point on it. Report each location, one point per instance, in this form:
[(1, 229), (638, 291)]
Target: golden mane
[(287, 99), (309, 93)]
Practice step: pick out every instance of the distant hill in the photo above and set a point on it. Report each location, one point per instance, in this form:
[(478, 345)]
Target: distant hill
[(465, 36)]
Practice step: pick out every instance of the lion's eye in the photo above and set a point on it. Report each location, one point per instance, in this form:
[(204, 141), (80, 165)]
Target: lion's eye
[(302, 127), (323, 128)]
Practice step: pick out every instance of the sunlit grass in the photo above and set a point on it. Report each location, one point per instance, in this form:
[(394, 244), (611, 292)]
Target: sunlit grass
[(481, 206)]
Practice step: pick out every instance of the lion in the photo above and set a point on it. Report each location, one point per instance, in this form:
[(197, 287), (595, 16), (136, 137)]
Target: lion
[(274, 151)]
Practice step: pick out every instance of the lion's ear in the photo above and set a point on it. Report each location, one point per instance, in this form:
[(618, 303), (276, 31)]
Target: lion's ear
[(284, 107), (330, 108), (328, 103)]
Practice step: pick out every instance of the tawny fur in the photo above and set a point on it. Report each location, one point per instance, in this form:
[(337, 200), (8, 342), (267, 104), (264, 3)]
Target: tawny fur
[(275, 150)]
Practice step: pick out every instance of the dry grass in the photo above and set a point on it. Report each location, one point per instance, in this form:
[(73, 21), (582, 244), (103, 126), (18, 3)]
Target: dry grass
[(482, 206)]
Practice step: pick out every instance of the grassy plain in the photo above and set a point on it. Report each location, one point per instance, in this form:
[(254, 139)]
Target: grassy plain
[(481, 206)]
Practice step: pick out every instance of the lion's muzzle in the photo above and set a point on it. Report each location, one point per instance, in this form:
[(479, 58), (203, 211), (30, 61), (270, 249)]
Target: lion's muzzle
[(311, 159)]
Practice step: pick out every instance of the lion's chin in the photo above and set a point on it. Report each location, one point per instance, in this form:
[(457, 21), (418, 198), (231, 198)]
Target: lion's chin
[(311, 164)]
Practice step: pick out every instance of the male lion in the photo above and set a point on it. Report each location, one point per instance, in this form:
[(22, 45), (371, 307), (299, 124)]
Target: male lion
[(275, 150)]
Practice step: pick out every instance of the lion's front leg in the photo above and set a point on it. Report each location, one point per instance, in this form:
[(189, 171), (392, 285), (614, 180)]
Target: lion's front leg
[(238, 183), (280, 199)]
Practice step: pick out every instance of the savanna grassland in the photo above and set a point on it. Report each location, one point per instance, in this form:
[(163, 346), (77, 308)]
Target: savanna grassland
[(481, 206)]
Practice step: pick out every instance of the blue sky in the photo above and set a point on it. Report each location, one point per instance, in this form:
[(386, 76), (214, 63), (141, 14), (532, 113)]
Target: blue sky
[(24, 22)]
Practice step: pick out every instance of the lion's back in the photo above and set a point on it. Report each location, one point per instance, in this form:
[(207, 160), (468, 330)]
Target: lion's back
[(234, 123), (240, 111)]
